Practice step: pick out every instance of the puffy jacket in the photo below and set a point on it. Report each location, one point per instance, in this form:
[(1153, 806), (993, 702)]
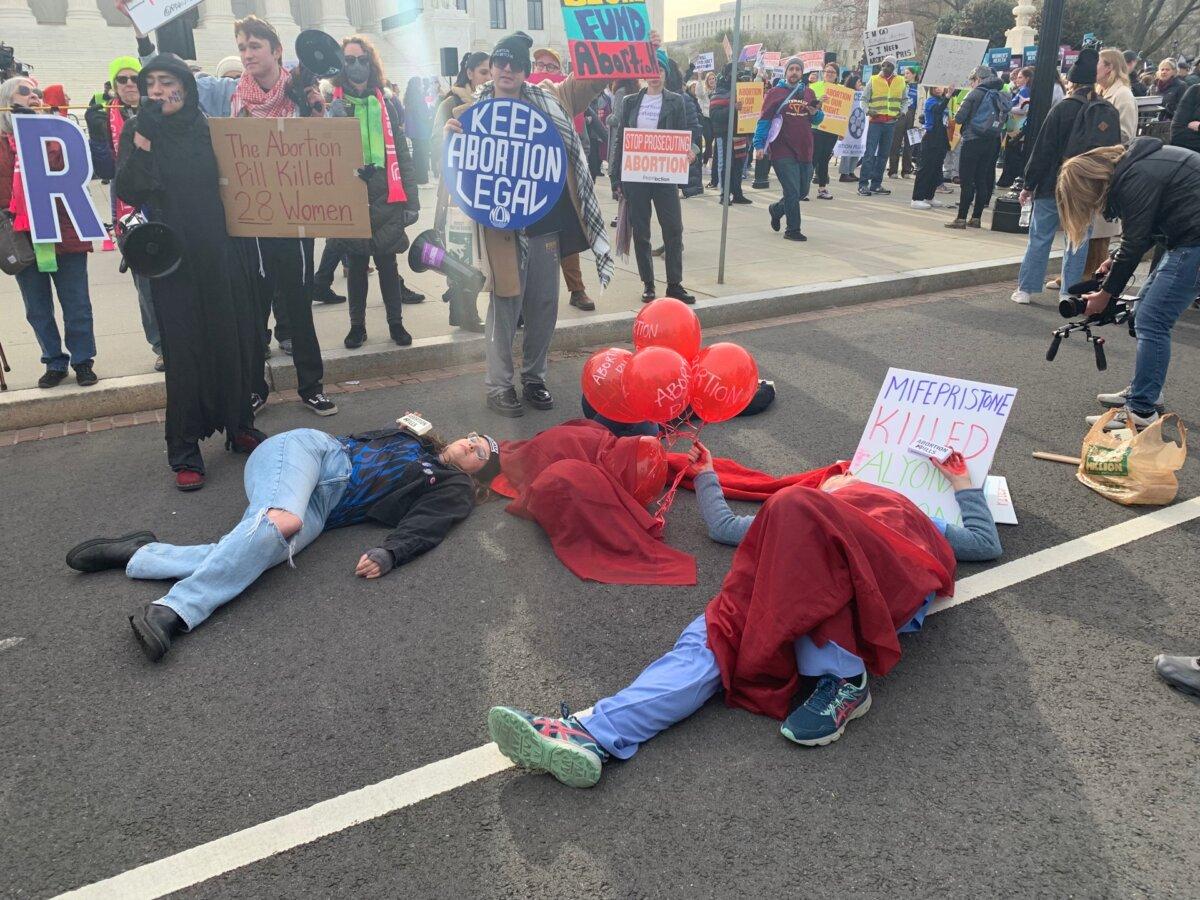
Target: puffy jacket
[(1171, 95), (1187, 111), (70, 242), (1153, 192), (1049, 151)]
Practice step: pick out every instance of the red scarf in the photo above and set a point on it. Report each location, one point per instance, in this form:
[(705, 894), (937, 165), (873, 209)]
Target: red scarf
[(251, 100), (396, 192), (116, 124)]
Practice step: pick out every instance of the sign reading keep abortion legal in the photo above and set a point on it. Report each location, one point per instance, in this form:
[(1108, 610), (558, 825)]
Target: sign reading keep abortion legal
[(507, 168), (44, 188), (966, 416), (609, 39)]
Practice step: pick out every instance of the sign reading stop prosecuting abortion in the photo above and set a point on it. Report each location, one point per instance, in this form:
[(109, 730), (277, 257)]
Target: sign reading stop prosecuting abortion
[(507, 168)]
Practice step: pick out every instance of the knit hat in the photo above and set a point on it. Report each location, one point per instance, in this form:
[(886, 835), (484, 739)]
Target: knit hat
[(228, 64), (794, 60), (123, 62), (514, 50), (889, 59), (491, 468), (1084, 70)]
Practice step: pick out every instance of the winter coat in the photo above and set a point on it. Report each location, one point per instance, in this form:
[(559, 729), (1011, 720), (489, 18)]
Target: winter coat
[(1153, 192), (672, 117), (1049, 151), (1120, 96), (1187, 111), (967, 110), (1171, 95)]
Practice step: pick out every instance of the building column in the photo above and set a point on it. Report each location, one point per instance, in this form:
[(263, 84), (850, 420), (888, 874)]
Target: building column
[(17, 12), (84, 12), (334, 19), (279, 14), (217, 14)]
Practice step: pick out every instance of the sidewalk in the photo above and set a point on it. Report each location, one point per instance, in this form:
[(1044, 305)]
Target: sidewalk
[(848, 237)]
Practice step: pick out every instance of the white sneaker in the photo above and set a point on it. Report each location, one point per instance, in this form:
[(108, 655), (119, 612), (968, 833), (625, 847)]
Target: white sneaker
[(937, 204), (1123, 418), (945, 189), (922, 204), (1117, 400), (1022, 297)]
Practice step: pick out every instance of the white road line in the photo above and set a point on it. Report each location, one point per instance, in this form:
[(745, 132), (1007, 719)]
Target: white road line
[(295, 829), (9, 643)]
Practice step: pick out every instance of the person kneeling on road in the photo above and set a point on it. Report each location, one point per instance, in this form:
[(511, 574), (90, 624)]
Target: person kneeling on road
[(1152, 189), (867, 557), (299, 484)]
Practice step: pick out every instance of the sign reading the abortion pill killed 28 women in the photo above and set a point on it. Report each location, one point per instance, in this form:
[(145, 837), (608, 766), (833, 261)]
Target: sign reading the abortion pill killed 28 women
[(45, 189), (507, 168), (966, 416), (609, 39)]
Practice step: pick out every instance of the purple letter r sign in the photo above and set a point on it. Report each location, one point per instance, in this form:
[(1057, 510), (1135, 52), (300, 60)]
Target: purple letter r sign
[(33, 134)]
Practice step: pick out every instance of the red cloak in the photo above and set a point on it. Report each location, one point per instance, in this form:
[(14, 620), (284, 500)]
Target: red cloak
[(850, 566)]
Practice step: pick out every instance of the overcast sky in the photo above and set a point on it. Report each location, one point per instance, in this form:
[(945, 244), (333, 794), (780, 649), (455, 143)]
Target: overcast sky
[(675, 8)]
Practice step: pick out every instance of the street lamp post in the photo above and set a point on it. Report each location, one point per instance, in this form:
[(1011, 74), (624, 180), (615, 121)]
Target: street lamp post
[(1045, 72)]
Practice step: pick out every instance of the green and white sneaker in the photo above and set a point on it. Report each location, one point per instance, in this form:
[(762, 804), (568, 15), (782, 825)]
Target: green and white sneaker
[(562, 747)]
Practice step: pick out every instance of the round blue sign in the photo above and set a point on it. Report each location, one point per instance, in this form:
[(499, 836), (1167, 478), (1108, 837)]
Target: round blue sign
[(508, 167)]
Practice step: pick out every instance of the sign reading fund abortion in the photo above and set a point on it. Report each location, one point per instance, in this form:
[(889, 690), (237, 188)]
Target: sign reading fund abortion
[(609, 39), (966, 416), (507, 168)]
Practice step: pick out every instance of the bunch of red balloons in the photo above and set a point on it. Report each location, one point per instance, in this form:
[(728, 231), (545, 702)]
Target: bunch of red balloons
[(669, 371)]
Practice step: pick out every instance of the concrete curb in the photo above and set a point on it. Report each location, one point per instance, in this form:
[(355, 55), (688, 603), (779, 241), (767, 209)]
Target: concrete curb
[(139, 393)]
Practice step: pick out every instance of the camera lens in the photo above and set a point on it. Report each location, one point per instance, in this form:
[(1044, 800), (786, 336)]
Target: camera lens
[(1069, 307)]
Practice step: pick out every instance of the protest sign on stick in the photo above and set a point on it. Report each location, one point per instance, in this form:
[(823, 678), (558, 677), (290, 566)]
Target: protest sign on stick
[(44, 188), (966, 416), (837, 104), (749, 105), (507, 168), (770, 59), (149, 15), (291, 177), (607, 40), (704, 62), (750, 52), (899, 40), (656, 157), (951, 59)]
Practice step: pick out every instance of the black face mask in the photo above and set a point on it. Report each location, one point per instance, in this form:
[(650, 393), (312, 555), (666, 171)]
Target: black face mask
[(357, 69)]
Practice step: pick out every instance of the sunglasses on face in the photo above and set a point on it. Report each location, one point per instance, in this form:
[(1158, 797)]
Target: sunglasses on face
[(126, 79), (479, 447), (25, 90), (353, 60)]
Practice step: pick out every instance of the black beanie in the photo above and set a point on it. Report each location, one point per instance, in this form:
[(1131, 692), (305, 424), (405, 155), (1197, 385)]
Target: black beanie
[(491, 468), (515, 50), (1084, 70)]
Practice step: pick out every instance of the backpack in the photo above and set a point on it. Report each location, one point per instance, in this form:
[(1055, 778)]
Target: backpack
[(989, 116), (1098, 124)]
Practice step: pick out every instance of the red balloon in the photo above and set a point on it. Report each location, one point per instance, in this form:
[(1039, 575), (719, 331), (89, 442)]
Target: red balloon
[(724, 380), (602, 384), (668, 322), (658, 384)]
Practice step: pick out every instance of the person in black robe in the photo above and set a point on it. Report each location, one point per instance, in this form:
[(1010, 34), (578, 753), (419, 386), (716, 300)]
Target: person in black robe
[(205, 309)]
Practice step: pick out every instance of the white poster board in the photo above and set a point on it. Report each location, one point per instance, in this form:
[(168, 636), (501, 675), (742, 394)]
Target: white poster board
[(951, 59), (999, 500), (148, 15), (967, 416), (704, 62), (899, 40), (855, 141)]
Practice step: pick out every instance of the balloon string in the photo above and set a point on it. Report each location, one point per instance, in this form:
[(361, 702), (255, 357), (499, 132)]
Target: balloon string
[(671, 435)]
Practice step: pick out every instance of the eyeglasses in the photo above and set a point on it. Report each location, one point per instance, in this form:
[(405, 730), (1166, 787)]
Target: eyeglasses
[(479, 447), (547, 67), (353, 60), (126, 79)]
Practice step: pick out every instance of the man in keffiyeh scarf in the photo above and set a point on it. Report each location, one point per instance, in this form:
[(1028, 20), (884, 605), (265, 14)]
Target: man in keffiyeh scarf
[(522, 267)]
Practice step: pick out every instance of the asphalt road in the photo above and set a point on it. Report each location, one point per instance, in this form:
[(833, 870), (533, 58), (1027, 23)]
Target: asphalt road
[(1023, 745)]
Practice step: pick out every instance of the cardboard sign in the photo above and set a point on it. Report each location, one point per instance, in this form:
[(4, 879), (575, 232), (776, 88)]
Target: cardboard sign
[(704, 62), (728, 48), (998, 59), (897, 40), (749, 105), (965, 415), (607, 40), (951, 59), (838, 105), (508, 167), (44, 189), (291, 177), (750, 52), (656, 157), (999, 500), (149, 15), (854, 141)]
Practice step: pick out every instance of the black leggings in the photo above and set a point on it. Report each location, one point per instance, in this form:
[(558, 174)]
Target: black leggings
[(977, 174), (823, 144)]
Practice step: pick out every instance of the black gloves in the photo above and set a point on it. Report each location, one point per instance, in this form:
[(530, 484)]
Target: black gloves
[(149, 121)]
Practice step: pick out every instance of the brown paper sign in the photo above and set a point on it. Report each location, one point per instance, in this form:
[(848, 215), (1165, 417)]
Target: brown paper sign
[(291, 177)]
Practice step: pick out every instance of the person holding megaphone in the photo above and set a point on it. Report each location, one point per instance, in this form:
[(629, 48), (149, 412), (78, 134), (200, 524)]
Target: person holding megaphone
[(209, 324)]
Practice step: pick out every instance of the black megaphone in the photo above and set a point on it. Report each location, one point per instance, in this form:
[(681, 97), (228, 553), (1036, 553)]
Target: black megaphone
[(149, 249), (427, 252), (319, 53)]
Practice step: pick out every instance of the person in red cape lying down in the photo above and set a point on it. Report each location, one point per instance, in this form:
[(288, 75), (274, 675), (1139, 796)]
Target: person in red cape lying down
[(823, 581)]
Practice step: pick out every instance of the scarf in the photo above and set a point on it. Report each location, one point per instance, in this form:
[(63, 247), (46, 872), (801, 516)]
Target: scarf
[(251, 100), (378, 140), (44, 253), (116, 124), (593, 221), (1162, 86)]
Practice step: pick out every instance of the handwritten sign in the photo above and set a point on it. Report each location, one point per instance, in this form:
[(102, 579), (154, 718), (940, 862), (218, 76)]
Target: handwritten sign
[(837, 104), (899, 40), (966, 415), (749, 105), (507, 168), (656, 157), (951, 59), (607, 40), (291, 177), (854, 141), (704, 62), (149, 15)]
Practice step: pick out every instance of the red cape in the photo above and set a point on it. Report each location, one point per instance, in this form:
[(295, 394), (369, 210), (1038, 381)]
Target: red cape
[(850, 566)]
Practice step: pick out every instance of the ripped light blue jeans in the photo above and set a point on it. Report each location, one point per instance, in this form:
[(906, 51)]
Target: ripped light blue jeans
[(303, 472)]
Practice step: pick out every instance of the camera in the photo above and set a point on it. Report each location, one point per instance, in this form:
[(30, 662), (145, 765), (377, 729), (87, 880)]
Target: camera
[(10, 66), (1070, 307), (1120, 311)]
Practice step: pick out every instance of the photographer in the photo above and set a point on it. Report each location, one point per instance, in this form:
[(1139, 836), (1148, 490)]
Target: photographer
[(1152, 188)]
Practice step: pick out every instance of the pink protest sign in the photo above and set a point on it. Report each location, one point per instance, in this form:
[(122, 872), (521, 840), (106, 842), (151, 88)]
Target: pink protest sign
[(967, 416)]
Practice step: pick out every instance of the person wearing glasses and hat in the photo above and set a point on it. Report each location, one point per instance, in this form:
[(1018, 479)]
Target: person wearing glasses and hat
[(300, 484)]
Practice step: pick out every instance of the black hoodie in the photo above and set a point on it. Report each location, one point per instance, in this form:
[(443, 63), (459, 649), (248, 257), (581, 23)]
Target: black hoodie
[(1154, 193), (979, 94)]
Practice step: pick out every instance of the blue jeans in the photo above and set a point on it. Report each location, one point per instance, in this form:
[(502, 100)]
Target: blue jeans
[(1042, 229), (1172, 287), (795, 178), (676, 685), (149, 316), (874, 161), (71, 282), (303, 472)]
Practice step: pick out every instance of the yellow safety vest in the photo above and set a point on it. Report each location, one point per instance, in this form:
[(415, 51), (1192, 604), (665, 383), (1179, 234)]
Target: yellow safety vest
[(887, 99)]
